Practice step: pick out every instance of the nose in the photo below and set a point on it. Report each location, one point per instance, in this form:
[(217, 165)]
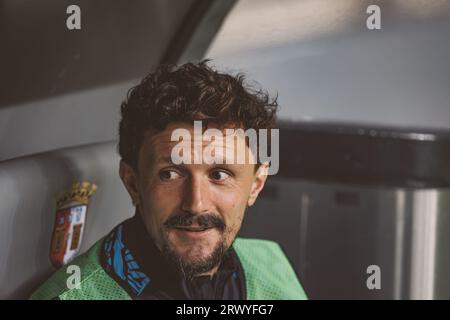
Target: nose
[(196, 197)]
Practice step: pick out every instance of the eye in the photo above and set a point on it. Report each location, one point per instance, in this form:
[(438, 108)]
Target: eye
[(168, 175), (219, 175)]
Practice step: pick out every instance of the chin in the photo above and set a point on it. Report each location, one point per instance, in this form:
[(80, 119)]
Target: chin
[(195, 256), (191, 252)]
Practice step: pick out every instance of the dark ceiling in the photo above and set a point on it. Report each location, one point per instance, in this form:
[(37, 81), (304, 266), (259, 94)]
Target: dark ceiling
[(40, 57)]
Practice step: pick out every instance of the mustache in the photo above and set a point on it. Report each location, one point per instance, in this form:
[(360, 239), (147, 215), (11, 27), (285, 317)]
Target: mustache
[(207, 220)]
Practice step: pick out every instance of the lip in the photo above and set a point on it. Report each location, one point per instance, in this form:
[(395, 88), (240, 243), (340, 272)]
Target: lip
[(193, 234)]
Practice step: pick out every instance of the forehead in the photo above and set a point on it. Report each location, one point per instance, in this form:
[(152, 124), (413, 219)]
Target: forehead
[(158, 145)]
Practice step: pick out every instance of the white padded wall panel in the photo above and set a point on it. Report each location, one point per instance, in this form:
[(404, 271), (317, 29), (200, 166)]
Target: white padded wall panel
[(27, 211)]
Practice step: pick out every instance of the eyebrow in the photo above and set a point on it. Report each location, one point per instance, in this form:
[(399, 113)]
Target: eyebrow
[(168, 159), (159, 160), (165, 159)]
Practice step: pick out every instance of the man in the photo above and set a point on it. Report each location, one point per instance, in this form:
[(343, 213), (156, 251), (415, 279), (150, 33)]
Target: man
[(182, 242)]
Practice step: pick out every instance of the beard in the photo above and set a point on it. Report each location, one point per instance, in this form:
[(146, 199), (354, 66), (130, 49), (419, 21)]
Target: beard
[(189, 267)]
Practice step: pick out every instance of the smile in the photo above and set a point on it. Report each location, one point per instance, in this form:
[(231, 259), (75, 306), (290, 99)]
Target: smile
[(193, 232), (193, 229)]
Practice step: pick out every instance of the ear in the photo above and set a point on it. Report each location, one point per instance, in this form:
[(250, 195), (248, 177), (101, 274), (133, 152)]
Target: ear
[(258, 183), (129, 179)]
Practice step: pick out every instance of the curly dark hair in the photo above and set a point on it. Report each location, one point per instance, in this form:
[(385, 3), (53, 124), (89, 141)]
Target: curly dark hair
[(192, 91)]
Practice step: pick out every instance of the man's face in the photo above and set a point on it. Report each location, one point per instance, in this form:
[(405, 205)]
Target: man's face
[(192, 211)]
